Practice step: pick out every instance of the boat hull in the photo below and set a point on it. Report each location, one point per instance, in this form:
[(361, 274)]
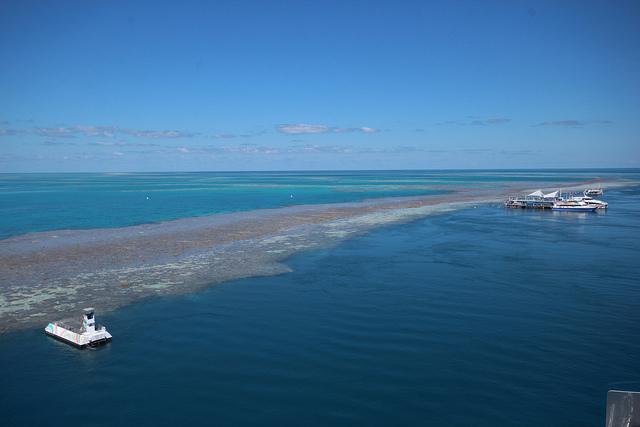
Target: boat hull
[(95, 343), (65, 340), (577, 209)]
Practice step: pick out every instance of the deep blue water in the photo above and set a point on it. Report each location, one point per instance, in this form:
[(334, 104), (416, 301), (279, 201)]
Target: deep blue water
[(478, 317), (41, 202)]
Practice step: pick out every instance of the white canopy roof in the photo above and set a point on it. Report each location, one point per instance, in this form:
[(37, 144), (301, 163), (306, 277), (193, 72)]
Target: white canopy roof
[(537, 193), (553, 195)]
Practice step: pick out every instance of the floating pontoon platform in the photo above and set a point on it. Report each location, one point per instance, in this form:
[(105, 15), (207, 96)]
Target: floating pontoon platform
[(80, 332)]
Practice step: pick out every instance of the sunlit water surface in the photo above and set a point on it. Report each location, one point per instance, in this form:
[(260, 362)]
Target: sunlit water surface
[(478, 317), (41, 202)]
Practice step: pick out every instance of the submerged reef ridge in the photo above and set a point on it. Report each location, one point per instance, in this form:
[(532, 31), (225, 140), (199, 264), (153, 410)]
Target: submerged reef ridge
[(50, 275)]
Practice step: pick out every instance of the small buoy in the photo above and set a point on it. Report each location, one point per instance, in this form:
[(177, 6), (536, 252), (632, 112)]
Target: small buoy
[(147, 197), (291, 195)]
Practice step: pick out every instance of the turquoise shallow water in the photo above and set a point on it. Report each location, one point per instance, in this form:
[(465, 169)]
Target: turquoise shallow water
[(479, 317), (41, 202)]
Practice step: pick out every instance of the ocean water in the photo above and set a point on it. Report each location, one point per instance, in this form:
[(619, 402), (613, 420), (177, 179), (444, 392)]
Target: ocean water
[(482, 316), (41, 202)]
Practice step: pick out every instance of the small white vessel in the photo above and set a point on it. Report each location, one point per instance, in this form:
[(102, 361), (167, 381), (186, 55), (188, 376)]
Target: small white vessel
[(593, 192), (591, 201), (573, 206), (80, 332), (515, 203)]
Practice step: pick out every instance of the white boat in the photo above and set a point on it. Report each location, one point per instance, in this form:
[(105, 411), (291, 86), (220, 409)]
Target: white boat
[(80, 332), (591, 201), (515, 203), (593, 192), (573, 206)]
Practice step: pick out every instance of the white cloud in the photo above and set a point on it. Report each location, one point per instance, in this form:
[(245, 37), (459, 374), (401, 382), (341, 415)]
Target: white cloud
[(224, 136), (56, 132), (303, 128), (158, 133), (105, 131), (108, 132), (475, 121), (573, 123), (368, 130)]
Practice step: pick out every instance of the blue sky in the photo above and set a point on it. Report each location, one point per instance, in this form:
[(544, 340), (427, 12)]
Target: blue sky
[(264, 85)]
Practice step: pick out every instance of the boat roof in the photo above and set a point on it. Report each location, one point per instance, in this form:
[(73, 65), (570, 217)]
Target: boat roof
[(537, 193)]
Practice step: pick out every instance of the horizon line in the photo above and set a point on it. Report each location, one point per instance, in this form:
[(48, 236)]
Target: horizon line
[(330, 170)]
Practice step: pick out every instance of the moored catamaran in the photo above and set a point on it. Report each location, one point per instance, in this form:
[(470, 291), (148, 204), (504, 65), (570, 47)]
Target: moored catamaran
[(573, 206), (599, 204)]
